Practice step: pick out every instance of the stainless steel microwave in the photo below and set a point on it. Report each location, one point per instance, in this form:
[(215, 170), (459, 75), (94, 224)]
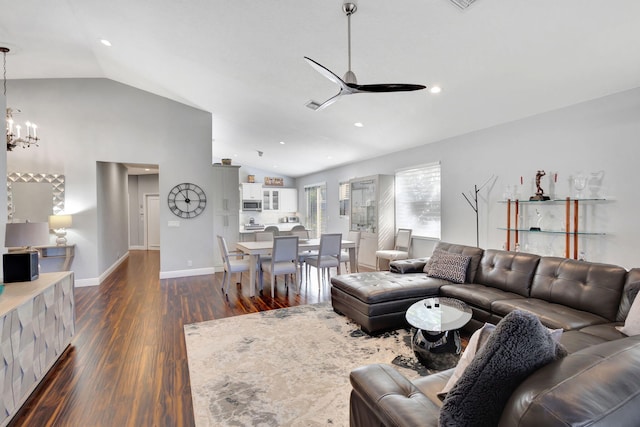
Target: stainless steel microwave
[(252, 205)]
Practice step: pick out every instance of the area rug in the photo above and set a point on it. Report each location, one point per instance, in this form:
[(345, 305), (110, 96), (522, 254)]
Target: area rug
[(286, 367)]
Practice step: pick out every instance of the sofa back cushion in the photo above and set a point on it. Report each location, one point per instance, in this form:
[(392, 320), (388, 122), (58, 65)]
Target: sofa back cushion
[(508, 271), (472, 251), (592, 287), (631, 285)]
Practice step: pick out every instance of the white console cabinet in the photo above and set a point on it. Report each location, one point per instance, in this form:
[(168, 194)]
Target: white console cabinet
[(37, 320)]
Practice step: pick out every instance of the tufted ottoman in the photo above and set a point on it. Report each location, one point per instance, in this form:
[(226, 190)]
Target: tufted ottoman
[(378, 300)]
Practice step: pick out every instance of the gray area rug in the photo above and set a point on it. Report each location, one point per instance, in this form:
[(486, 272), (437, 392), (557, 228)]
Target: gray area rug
[(287, 367)]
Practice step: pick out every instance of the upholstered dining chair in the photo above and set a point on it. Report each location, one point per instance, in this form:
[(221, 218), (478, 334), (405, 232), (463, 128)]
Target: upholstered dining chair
[(400, 249), (345, 258), (284, 260), (328, 256), (303, 235), (273, 229), (234, 262)]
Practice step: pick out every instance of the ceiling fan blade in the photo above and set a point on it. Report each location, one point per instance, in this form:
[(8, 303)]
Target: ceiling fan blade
[(387, 87), (326, 72), (329, 101)]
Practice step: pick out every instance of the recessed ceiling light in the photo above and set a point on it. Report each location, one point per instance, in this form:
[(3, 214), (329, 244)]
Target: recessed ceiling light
[(329, 157), (235, 155), (435, 89), (282, 142), (358, 124), (105, 42)]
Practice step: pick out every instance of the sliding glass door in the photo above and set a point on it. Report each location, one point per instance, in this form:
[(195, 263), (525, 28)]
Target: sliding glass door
[(316, 203)]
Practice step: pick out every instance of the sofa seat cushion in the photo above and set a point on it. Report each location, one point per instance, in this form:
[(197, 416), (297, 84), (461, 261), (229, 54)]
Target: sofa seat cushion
[(606, 331), (575, 340), (477, 295), (551, 315), (381, 286)]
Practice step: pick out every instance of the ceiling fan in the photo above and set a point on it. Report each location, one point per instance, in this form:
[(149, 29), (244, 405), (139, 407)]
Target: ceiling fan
[(349, 84)]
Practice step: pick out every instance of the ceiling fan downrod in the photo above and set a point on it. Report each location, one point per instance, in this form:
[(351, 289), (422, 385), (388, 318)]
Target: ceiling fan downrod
[(349, 9)]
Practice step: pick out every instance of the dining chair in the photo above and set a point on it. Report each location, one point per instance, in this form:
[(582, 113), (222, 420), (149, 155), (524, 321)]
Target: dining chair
[(273, 229), (284, 260), (234, 262), (303, 235), (328, 255), (345, 258), (400, 249), (263, 236)]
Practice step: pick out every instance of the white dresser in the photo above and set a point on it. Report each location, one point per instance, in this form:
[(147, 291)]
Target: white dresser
[(37, 320)]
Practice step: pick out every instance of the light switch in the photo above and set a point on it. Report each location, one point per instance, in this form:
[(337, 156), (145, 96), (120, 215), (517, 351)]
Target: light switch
[(173, 223)]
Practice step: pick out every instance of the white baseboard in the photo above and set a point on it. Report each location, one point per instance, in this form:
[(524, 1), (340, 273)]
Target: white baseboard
[(137, 248), (187, 273), (81, 283)]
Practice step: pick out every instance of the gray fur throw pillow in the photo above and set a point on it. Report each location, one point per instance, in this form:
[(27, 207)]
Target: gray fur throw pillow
[(519, 346)]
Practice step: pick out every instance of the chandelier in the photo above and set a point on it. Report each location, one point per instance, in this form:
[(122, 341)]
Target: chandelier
[(15, 136)]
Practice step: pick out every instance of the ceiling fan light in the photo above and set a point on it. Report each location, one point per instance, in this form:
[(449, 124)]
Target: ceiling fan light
[(435, 89)]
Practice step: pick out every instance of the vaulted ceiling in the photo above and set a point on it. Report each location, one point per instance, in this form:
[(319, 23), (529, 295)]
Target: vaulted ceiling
[(496, 61)]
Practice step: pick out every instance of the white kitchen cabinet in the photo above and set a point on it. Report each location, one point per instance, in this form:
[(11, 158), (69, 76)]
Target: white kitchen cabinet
[(289, 200), (226, 208), (251, 191), (271, 199), (372, 213), (280, 199)]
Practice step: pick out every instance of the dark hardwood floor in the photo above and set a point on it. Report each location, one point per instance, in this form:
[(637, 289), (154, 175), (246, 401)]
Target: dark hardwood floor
[(127, 365)]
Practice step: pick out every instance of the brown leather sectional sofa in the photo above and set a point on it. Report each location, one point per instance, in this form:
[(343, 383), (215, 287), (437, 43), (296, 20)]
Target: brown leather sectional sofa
[(598, 384)]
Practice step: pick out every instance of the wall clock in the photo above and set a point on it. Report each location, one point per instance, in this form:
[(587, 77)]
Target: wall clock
[(187, 200)]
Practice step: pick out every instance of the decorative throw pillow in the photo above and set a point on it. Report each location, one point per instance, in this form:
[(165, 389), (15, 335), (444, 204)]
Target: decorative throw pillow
[(433, 259), (451, 267), (632, 322), (518, 346), (476, 342)]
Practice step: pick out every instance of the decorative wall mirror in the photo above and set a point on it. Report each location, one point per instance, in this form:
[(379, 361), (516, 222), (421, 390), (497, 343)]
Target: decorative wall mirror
[(34, 196)]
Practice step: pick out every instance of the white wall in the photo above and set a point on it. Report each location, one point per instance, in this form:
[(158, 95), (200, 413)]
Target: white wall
[(3, 188), (602, 134), (83, 121)]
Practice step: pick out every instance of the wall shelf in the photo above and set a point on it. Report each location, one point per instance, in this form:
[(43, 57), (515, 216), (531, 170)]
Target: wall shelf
[(571, 230)]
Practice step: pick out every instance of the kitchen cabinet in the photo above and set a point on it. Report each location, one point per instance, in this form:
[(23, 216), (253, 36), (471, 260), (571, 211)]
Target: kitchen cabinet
[(280, 199), (372, 213), (251, 191), (289, 200), (226, 208), (271, 199)]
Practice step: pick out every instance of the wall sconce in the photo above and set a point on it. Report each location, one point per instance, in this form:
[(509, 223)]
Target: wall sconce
[(59, 224)]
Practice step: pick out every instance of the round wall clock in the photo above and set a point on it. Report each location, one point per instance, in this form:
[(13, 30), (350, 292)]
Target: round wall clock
[(187, 200)]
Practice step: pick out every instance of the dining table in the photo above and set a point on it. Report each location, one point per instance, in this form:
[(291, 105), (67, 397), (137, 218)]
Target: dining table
[(257, 249)]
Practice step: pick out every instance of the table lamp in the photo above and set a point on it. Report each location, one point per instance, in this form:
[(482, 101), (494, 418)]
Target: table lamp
[(22, 265), (59, 224)]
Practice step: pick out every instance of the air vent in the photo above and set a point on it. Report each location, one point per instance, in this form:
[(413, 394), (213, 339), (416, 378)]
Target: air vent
[(462, 4)]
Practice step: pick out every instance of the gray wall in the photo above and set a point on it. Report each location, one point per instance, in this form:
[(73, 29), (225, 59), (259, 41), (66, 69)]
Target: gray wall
[(113, 216), (83, 121), (602, 134)]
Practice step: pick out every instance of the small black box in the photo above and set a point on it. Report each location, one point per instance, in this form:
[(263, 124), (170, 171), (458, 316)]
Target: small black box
[(20, 266)]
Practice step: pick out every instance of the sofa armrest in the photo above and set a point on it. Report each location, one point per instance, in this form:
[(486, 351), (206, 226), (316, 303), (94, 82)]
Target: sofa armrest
[(382, 394), (405, 266)]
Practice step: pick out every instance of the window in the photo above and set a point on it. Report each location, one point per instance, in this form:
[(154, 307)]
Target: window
[(344, 197), (418, 200), (316, 203)]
